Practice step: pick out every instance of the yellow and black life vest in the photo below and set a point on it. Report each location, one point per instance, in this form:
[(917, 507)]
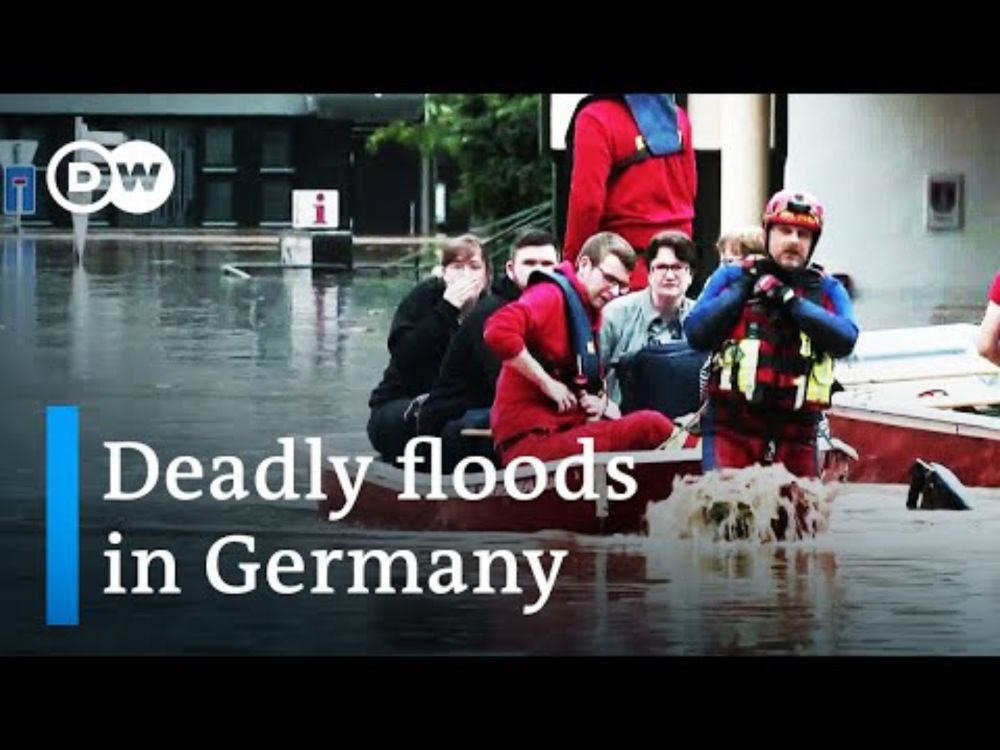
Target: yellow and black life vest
[(768, 361)]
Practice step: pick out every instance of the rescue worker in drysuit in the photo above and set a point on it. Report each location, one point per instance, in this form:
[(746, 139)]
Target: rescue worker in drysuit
[(774, 324)]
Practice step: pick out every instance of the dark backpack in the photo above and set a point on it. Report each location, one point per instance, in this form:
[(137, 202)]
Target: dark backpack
[(663, 377)]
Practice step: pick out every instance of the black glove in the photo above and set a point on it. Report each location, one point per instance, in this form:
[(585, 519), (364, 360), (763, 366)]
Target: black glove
[(756, 265), (770, 288)]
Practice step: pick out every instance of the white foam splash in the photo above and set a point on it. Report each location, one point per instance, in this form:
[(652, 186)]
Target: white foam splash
[(755, 503)]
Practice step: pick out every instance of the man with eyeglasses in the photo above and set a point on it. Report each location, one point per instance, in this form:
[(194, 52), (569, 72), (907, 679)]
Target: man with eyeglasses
[(775, 325), (551, 390), (654, 315)]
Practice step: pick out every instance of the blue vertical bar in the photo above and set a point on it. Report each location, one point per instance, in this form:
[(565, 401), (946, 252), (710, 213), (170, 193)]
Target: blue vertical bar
[(62, 515)]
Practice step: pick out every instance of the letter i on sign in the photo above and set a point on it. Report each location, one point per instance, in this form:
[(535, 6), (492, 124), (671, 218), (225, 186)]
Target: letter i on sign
[(320, 209)]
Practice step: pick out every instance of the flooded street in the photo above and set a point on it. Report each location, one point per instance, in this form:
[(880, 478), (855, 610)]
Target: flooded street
[(155, 344)]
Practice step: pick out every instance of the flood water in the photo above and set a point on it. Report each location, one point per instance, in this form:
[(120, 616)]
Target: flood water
[(155, 344)]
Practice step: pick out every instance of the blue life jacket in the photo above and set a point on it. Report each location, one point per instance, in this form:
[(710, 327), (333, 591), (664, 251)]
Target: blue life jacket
[(587, 374), (656, 117)]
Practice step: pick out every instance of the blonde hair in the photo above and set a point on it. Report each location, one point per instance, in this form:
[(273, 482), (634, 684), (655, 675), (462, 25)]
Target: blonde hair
[(742, 242)]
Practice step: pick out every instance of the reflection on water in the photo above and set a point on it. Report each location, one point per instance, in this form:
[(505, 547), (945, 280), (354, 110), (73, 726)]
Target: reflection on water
[(156, 344)]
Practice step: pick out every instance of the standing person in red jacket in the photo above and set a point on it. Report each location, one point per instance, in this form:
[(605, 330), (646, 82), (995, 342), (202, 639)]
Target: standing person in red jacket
[(551, 392), (633, 172)]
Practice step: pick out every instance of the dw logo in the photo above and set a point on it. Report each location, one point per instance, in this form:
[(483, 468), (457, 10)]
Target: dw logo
[(139, 177)]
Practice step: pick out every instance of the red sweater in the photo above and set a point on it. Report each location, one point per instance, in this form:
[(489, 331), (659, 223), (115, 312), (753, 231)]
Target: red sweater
[(647, 198), (994, 294), (537, 320)]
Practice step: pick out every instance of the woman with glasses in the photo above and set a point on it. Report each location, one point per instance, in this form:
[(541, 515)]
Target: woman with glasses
[(654, 315)]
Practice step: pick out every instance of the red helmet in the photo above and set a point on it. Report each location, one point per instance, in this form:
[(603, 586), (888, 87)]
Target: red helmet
[(795, 208)]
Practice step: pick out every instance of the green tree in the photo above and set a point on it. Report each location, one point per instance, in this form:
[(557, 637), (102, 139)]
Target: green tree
[(493, 141)]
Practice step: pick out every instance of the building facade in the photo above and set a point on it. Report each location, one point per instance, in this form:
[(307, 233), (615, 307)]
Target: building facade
[(237, 157)]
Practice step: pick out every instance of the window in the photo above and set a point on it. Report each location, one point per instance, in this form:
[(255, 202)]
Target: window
[(276, 149), (219, 147), (276, 200), (218, 201)]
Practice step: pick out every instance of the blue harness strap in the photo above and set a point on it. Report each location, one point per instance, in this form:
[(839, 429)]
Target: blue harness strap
[(588, 373), (656, 116)]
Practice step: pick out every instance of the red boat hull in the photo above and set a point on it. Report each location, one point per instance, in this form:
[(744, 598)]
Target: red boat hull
[(889, 441), (379, 506)]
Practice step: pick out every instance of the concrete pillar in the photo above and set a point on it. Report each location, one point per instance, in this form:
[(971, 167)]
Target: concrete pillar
[(745, 137)]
